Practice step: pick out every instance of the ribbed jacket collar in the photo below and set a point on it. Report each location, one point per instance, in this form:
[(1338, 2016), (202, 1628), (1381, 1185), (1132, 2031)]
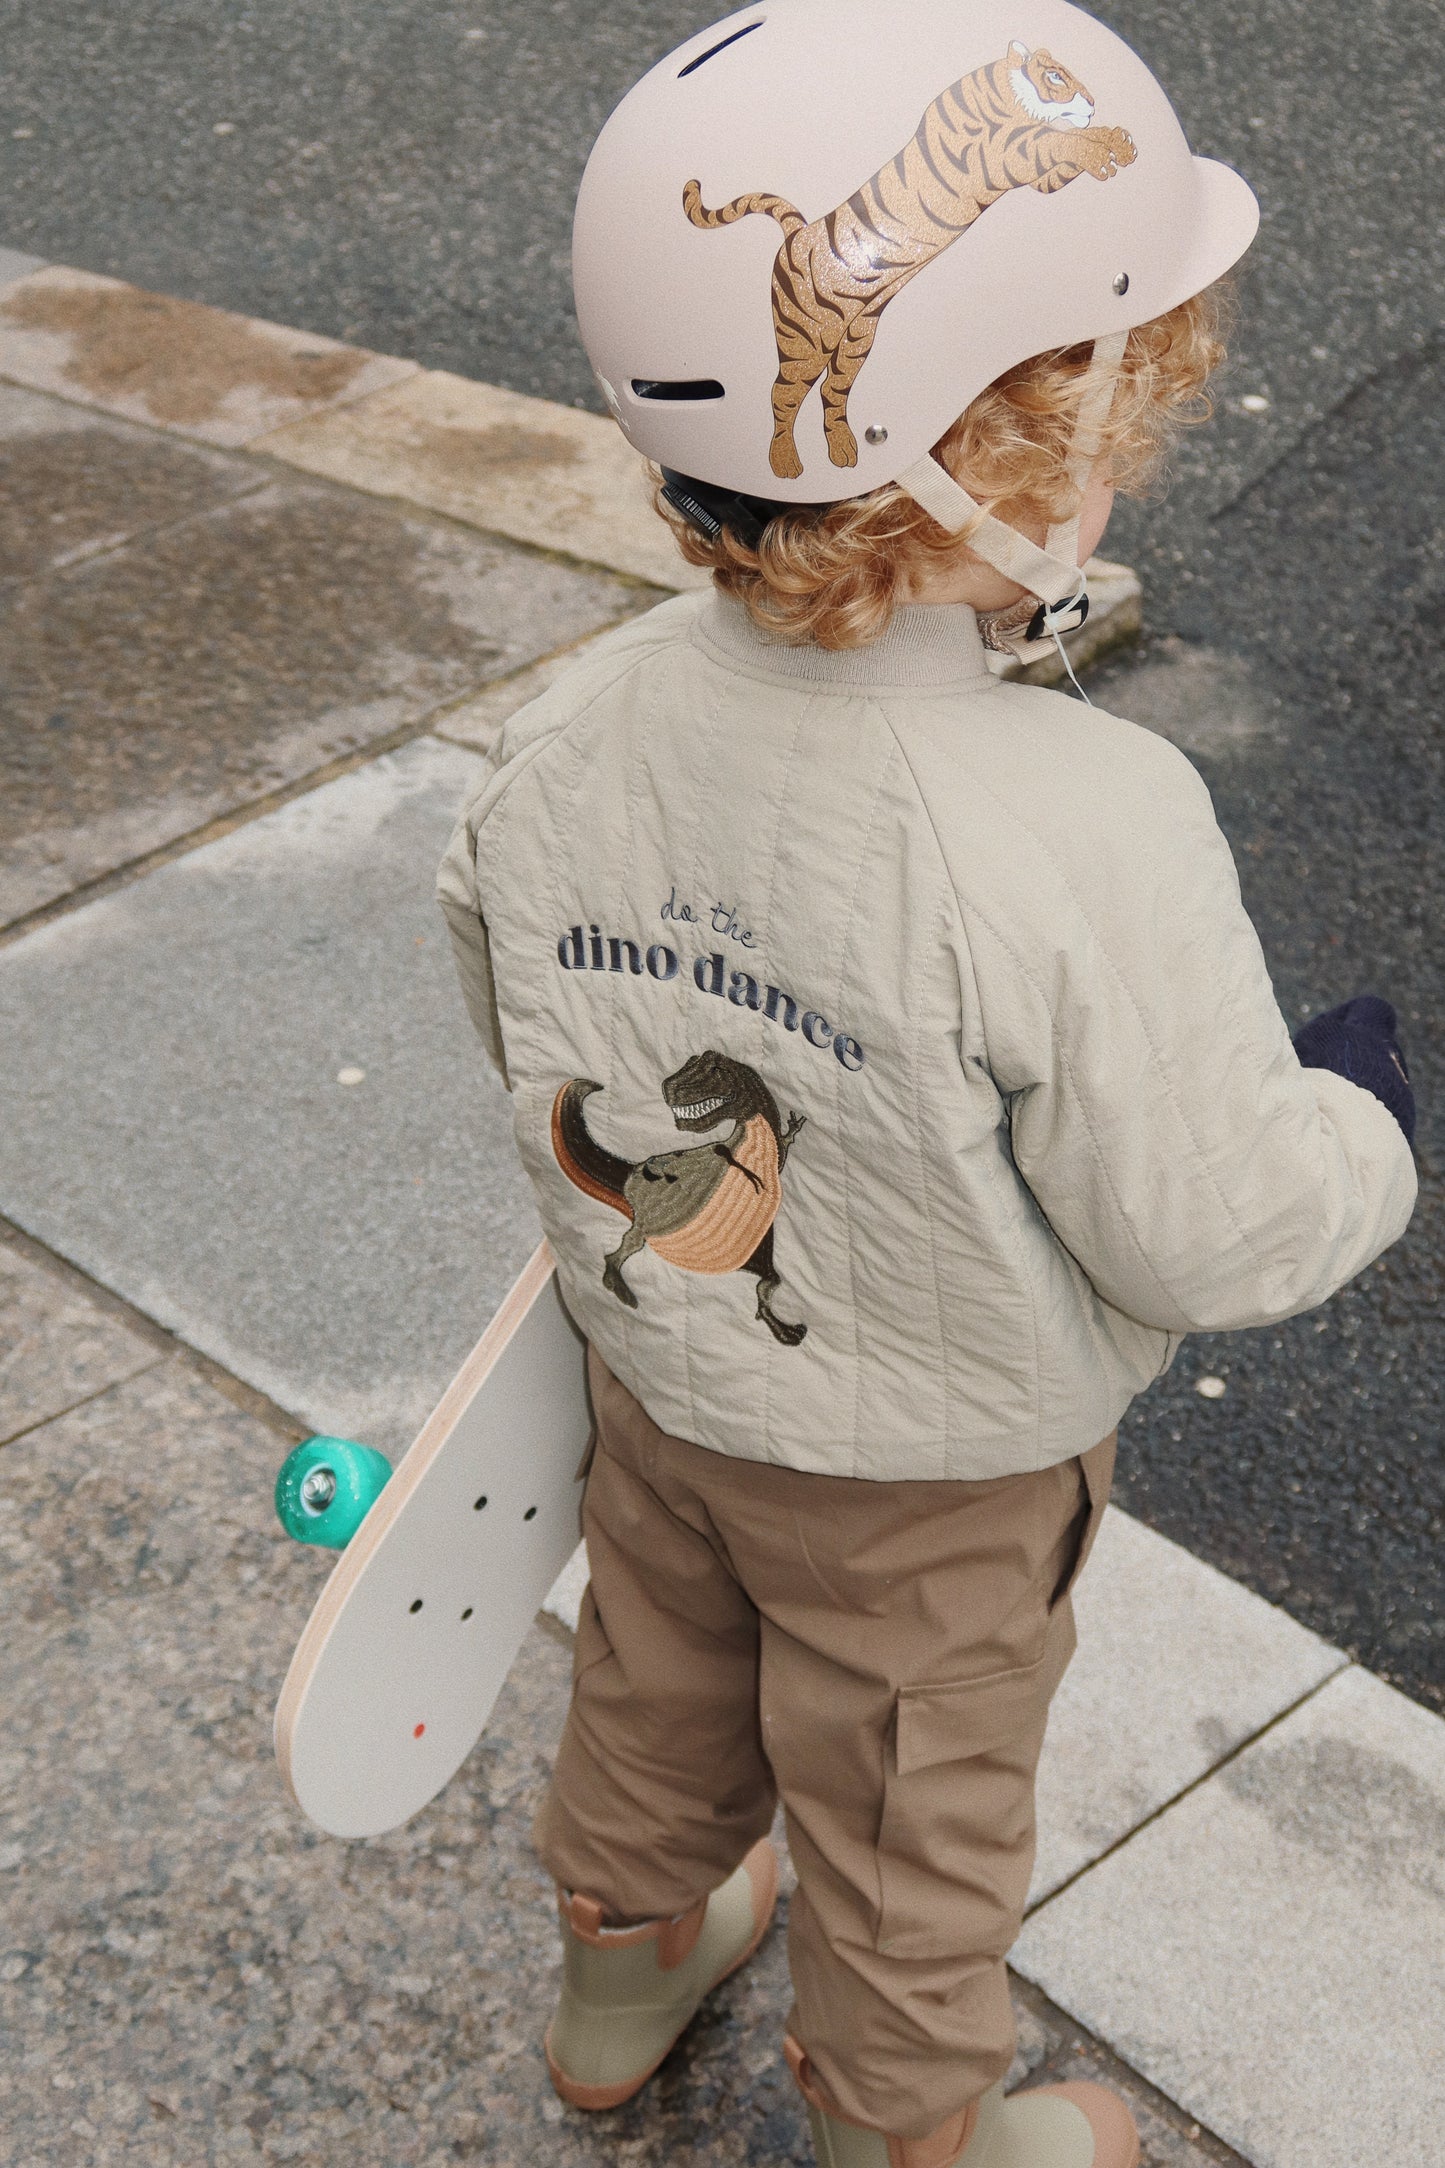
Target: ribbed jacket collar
[(928, 647)]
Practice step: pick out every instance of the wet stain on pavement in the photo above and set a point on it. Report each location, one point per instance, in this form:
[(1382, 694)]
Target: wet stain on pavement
[(1358, 1808), (72, 492), (223, 655), (503, 444), (181, 360)]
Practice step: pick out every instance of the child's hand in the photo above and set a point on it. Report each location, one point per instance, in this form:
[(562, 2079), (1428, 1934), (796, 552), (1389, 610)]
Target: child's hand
[(1358, 1040)]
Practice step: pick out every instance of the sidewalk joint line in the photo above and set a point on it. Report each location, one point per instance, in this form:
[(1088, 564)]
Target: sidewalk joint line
[(277, 467), (111, 546), (1346, 1663), (430, 724), (223, 824), (413, 508), (168, 1345), (441, 715), (86, 1400)]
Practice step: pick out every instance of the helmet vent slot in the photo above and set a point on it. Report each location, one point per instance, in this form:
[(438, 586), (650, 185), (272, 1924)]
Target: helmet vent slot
[(721, 47), (693, 387)]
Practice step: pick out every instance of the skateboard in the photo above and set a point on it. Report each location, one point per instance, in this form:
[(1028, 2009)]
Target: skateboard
[(451, 1558)]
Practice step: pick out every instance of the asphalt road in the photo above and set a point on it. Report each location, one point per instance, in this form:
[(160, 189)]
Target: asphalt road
[(402, 175)]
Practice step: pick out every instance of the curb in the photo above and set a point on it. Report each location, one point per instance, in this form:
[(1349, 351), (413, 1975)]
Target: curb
[(556, 478)]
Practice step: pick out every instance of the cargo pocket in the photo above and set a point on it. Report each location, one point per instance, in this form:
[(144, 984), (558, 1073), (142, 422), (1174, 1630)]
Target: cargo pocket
[(1096, 1471), (955, 1839)]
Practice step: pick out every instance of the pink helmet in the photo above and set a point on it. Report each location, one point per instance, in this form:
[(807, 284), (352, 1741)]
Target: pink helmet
[(813, 234)]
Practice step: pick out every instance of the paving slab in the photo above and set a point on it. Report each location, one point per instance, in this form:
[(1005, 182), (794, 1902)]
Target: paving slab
[(1177, 1666), (478, 722), (1271, 1951), (175, 364), (1054, 2053), (170, 1058), (221, 655), (189, 1974), (541, 473), (74, 483), (57, 1347)]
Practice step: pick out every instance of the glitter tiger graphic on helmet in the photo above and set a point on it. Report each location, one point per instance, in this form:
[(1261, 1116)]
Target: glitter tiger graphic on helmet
[(1022, 122)]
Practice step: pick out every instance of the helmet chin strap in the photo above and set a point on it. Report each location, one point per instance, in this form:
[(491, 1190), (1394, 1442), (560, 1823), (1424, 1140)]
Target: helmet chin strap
[(1050, 571), (1096, 396)]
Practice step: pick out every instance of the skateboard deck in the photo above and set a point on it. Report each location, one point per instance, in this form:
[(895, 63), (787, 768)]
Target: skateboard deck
[(415, 1631)]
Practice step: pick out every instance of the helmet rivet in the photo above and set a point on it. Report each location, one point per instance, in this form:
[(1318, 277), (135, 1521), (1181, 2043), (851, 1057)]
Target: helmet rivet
[(1121, 282), (876, 433)]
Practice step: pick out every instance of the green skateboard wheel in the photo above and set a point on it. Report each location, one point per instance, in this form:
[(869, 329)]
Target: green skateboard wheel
[(327, 1487)]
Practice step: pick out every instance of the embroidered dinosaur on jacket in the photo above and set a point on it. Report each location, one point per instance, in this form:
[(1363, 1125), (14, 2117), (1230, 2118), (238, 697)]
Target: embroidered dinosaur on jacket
[(709, 1209)]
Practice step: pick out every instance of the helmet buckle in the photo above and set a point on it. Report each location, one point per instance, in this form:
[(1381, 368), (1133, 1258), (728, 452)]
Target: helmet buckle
[(1051, 619)]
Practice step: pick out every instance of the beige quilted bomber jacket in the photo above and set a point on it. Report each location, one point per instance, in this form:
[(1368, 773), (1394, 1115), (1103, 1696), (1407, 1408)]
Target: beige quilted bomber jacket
[(896, 1066)]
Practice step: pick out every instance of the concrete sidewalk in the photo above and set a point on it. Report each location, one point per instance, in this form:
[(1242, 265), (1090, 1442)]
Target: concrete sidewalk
[(268, 598)]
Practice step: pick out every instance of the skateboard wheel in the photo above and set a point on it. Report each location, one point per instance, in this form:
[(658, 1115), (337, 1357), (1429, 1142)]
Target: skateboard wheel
[(327, 1487)]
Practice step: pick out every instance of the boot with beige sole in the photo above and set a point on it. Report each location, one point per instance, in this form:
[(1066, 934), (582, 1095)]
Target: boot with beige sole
[(628, 1993), (1058, 2126)]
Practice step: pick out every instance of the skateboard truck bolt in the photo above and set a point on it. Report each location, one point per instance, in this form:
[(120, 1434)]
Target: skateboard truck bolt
[(326, 1488), (318, 1489)]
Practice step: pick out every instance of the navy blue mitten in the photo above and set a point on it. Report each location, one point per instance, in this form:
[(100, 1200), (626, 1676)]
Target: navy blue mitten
[(1358, 1040)]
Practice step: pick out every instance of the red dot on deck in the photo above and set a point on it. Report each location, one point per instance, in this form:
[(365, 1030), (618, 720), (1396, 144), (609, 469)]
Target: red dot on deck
[(419, 1730)]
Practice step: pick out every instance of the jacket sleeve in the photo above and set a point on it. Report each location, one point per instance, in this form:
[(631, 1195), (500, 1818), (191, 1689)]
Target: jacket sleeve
[(461, 907), (1203, 1180)]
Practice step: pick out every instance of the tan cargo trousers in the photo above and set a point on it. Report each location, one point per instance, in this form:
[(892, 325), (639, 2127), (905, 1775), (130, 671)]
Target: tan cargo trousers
[(880, 1654)]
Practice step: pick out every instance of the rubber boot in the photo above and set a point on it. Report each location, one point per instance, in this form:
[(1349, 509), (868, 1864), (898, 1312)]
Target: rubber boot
[(1057, 2126), (628, 1993)]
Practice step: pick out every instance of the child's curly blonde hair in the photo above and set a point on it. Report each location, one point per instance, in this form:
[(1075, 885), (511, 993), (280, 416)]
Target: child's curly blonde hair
[(836, 573)]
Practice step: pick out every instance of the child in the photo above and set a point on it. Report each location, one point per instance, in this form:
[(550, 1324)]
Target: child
[(897, 1069)]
